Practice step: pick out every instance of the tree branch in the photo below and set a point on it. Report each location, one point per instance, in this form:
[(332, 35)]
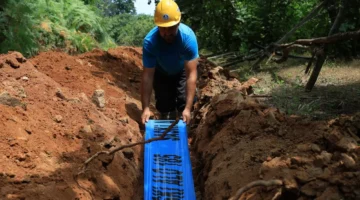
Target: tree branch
[(286, 52), (221, 55), (325, 40), (321, 54), (161, 137), (238, 60), (247, 187), (302, 22)]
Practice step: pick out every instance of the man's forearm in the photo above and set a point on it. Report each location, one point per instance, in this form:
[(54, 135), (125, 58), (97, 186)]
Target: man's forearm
[(190, 90), (146, 89), (191, 75)]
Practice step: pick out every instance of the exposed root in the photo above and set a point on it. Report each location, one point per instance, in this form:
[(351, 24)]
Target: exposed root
[(242, 190), (75, 177), (277, 194)]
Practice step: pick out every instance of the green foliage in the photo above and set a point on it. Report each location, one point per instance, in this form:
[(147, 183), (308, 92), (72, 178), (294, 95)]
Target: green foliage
[(129, 29), (214, 23), (16, 27), (39, 25), (241, 24), (233, 25), (116, 7), (228, 25)]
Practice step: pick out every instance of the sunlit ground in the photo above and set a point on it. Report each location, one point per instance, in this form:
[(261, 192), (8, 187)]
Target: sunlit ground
[(337, 90)]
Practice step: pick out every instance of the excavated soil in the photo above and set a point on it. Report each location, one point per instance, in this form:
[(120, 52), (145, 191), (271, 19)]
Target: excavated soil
[(239, 140), (57, 110), (51, 123)]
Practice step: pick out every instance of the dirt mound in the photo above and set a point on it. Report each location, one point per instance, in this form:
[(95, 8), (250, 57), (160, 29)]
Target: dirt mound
[(238, 140), (57, 110)]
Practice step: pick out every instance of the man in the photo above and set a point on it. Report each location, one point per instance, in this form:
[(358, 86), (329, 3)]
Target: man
[(170, 58)]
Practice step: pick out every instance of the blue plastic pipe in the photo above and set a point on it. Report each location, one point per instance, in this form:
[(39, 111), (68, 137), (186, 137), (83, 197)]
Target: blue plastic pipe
[(167, 167)]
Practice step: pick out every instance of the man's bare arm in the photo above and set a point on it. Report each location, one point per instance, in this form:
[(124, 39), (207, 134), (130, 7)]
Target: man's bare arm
[(146, 86), (191, 76)]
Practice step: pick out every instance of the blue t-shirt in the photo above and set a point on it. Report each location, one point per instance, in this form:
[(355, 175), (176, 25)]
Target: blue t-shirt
[(170, 57)]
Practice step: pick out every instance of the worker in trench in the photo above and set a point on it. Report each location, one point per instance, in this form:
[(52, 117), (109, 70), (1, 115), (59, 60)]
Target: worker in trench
[(170, 60)]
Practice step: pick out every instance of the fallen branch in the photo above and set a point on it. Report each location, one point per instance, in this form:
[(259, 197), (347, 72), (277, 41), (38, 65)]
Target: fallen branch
[(239, 60), (221, 55), (288, 97), (293, 56), (247, 187), (261, 96), (325, 40), (286, 52)]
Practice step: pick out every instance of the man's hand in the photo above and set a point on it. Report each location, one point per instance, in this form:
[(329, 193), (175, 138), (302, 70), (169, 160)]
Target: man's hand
[(145, 115), (186, 116)]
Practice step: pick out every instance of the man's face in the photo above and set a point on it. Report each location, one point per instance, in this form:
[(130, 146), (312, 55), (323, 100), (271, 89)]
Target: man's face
[(169, 33)]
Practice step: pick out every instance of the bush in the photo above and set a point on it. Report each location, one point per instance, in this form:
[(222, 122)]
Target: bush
[(39, 25), (127, 29)]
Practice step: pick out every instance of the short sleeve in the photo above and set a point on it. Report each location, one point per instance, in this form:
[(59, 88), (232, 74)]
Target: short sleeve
[(149, 59), (191, 47)]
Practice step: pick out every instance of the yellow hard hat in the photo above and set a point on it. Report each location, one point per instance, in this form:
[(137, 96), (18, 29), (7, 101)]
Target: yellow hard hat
[(167, 13)]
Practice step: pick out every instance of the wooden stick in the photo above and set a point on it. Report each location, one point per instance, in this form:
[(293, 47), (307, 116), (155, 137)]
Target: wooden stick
[(325, 40)]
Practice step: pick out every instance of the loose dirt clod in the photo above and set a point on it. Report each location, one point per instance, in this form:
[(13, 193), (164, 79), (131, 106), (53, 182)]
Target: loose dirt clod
[(7, 100), (99, 98), (58, 118)]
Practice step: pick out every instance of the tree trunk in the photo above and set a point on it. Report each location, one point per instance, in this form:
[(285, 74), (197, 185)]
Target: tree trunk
[(323, 53), (321, 57), (331, 11)]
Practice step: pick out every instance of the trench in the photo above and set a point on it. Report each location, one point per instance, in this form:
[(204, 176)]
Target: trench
[(196, 163)]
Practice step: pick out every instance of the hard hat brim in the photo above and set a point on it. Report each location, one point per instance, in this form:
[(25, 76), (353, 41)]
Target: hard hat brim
[(167, 24)]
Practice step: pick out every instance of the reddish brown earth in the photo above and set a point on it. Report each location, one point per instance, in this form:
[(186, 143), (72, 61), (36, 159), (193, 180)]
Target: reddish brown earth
[(237, 141), (46, 135), (50, 125)]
